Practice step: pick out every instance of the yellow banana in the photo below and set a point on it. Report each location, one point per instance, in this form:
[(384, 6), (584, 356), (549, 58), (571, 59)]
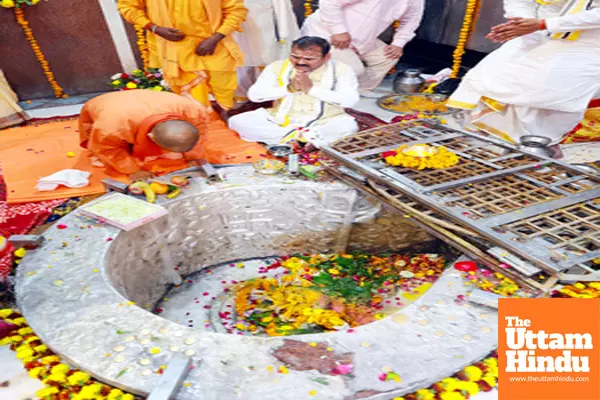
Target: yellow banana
[(143, 187)]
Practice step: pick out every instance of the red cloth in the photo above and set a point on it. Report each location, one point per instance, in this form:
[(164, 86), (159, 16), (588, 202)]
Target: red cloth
[(19, 219)]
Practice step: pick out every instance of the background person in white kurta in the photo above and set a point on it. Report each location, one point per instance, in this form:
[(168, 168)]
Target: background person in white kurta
[(267, 35), (541, 81), (309, 90), (353, 27)]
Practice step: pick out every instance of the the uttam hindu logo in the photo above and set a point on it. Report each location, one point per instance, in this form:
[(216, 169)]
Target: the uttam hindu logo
[(548, 349), (523, 343)]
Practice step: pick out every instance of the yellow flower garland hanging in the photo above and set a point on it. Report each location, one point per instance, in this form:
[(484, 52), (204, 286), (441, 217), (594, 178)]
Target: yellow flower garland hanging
[(395, 26), (142, 45), (465, 33), (308, 8), (421, 156), (20, 17)]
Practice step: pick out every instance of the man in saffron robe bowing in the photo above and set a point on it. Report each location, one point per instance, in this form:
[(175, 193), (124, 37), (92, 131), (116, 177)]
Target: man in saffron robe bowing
[(191, 41), (141, 133)]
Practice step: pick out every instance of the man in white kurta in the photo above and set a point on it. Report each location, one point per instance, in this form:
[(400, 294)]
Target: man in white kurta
[(541, 81), (353, 27), (266, 37), (310, 92)]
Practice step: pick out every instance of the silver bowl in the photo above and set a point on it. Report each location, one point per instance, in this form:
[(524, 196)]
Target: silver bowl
[(280, 150), (438, 98), (532, 140)]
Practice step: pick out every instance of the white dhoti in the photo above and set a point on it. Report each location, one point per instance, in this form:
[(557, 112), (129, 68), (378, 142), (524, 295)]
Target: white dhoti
[(532, 85), (266, 36), (257, 126), (370, 68)]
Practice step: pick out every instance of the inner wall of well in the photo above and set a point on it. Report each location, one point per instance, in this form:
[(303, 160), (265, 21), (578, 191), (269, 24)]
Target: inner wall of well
[(207, 229)]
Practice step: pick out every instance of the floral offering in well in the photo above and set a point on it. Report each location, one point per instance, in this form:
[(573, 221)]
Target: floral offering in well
[(322, 293)]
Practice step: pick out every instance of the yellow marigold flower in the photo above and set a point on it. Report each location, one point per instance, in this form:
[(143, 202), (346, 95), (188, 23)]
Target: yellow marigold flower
[(60, 369), (595, 285), (50, 359), (90, 391), (127, 396), (116, 82), (25, 353), (490, 380), (78, 378), (471, 387), (59, 378), (240, 327), (158, 88), (473, 373), (114, 394), (450, 384), (131, 85), (47, 391), (452, 396), (425, 394), (7, 3), (283, 370), (35, 372), (4, 313), (155, 350), (22, 347), (25, 331), (20, 252), (41, 348), (31, 338), (19, 321), (333, 271)]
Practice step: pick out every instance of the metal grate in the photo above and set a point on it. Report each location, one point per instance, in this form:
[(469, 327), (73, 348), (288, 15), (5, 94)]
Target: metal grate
[(571, 231), (497, 196), (541, 210)]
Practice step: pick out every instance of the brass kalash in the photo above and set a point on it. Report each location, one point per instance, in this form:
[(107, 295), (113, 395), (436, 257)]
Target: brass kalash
[(501, 205)]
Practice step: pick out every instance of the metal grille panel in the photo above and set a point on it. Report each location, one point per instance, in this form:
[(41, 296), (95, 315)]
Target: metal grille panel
[(542, 210)]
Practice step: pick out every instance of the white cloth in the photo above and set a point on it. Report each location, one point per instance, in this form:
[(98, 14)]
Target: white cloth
[(266, 36), (365, 20), (257, 126), (268, 31), (72, 178), (545, 84), (370, 68)]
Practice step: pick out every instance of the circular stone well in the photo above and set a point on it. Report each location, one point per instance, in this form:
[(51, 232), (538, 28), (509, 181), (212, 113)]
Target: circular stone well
[(88, 292)]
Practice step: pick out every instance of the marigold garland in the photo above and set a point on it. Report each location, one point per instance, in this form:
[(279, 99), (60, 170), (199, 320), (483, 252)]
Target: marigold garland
[(395, 26), (308, 10), (61, 381), (465, 33), (143, 45), (20, 16)]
